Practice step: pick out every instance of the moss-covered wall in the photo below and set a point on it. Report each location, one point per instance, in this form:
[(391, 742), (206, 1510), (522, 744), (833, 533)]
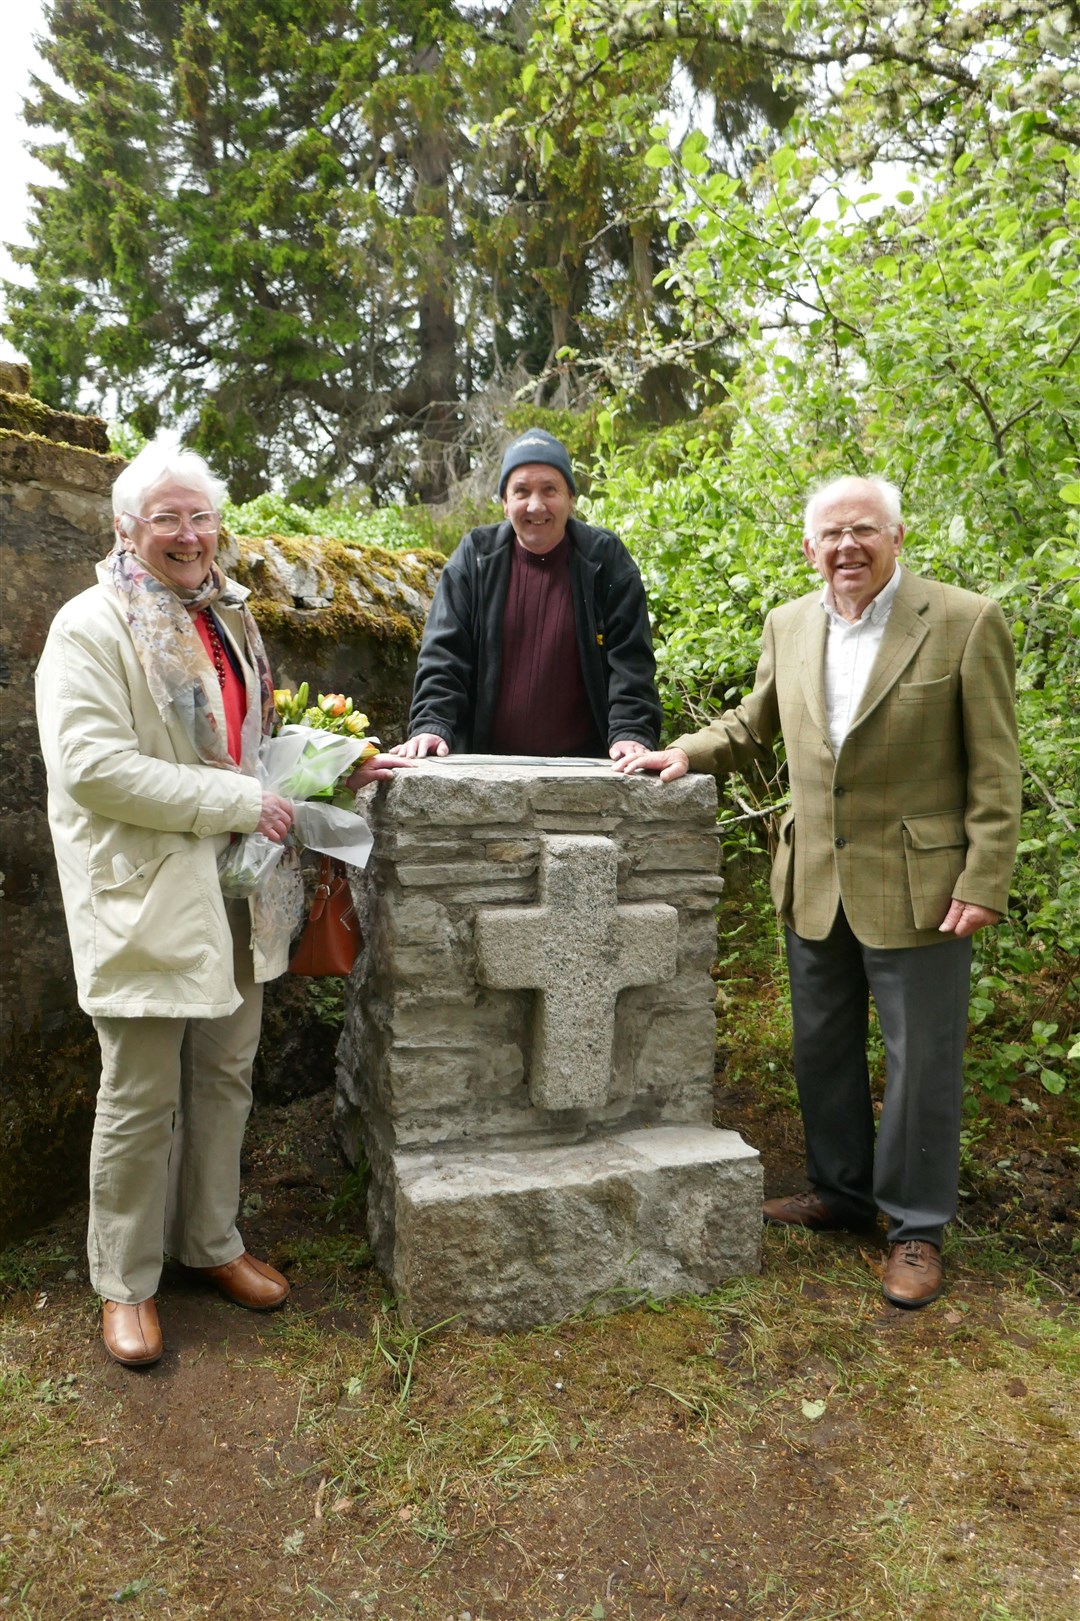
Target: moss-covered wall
[(345, 619)]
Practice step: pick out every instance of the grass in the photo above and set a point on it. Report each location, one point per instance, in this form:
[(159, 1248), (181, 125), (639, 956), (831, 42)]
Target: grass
[(941, 1448), (786, 1448)]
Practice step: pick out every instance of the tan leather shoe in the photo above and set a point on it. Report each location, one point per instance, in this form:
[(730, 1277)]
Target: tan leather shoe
[(132, 1334), (810, 1210), (913, 1273), (249, 1282)]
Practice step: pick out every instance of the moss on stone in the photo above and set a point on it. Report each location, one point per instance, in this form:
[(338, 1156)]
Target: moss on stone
[(30, 458), (340, 568), (23, 414)]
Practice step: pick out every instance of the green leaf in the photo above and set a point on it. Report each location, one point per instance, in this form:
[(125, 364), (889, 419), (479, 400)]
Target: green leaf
[(963, 163), (528, 74), (658, 156), (1070, 493), (131, 1590)]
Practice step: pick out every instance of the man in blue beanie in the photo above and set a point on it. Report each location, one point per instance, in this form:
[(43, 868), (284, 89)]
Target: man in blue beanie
[(538, 640)]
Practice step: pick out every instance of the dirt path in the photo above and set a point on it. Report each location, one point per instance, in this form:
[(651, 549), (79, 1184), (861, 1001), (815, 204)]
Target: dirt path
[(791, 1449)]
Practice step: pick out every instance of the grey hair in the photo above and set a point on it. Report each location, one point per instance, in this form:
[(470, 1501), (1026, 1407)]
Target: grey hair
[(163, 458), (889, 493)]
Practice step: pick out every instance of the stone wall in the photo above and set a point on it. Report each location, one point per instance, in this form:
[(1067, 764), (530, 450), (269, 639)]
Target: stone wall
[(346, 620), (528, 1057)]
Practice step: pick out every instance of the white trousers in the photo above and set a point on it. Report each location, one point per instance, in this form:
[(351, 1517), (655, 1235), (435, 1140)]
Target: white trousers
[(172, 1107)]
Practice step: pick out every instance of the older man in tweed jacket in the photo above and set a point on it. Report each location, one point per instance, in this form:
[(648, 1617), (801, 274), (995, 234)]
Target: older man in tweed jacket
[(894, 697)]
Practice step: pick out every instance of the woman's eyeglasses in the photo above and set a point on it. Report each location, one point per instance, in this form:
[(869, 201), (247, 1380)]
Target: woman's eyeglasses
[(164, 525)]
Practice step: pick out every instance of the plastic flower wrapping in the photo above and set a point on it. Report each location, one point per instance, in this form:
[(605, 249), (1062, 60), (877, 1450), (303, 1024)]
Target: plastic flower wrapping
[(306, 761)]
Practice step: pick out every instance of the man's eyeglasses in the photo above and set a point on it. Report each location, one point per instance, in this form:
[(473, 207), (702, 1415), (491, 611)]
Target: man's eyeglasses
[(164, 525), (859, 532)]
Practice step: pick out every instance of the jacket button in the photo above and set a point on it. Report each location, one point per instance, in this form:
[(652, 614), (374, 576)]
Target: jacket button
[(840, 843), (837, 792)]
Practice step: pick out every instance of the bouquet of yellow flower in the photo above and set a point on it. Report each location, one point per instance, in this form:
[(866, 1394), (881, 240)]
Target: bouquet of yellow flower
[(333, 712), (321, 769), (307, 761)]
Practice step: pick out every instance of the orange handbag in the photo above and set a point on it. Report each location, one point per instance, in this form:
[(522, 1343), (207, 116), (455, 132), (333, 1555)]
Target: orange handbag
[(331, 938)]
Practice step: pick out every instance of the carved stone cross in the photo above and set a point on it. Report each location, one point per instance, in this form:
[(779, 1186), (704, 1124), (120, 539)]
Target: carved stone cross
[(577, 949)]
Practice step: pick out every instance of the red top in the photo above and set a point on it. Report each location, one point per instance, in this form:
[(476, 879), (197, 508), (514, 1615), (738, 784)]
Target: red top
[(233, 691), (543, 707)]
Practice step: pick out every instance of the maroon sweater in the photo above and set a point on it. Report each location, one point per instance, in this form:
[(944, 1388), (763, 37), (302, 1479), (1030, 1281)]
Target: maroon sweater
[(543, 707)]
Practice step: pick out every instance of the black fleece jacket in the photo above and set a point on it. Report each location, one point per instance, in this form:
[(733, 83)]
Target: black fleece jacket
[(458, 670)]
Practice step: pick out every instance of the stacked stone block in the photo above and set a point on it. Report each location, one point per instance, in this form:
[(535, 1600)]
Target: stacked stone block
[(528, 1056)]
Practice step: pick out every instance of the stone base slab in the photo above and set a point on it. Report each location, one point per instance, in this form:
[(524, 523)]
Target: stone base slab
[(506, 1240)]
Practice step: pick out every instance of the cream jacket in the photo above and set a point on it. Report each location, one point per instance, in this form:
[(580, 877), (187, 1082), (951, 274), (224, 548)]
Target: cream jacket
[(137, 822)]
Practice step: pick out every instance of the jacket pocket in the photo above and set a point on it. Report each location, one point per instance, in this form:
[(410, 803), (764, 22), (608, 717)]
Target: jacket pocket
[(926, 692), (935, 851), (151, 916), (782, 878)]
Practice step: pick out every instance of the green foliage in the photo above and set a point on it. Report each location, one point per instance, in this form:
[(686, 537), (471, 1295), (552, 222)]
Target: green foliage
[(931, 335), (352, 523), (327, 998), (390, 526), (310, 232)]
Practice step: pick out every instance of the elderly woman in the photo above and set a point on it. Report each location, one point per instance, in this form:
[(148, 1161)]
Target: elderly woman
[(154, 693)]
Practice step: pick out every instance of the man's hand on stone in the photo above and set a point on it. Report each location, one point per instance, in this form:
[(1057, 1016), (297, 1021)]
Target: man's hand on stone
[(375, 769), (964, 918), (670, 763), (422, 744), (624, 747)]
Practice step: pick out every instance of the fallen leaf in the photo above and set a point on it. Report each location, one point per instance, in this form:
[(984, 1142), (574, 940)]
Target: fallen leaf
[(813, 1409)]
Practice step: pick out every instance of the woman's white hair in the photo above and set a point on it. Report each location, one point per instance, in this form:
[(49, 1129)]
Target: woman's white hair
[(889, 493), (164, 458)]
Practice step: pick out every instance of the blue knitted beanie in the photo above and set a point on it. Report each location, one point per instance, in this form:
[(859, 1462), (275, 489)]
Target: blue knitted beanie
[(536, 445)]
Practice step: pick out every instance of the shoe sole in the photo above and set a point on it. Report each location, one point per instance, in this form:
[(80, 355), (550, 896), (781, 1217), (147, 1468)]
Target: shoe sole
[(135, 1361), (251, 1305), (913, 1305)]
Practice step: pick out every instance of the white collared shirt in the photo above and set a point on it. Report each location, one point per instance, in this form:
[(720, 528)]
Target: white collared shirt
[(850, 651)]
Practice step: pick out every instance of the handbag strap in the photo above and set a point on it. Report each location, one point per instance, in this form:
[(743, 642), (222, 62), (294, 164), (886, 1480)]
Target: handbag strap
[(329, 870)]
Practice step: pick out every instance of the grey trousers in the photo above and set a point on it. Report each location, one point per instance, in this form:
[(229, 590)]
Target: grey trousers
[(911, 1172), (172, 1107)]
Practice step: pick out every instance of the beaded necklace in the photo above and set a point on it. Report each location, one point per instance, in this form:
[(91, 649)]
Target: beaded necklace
[(216, 647)]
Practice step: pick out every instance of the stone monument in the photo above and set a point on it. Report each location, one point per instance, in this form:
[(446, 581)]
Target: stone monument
[(527, 1061)]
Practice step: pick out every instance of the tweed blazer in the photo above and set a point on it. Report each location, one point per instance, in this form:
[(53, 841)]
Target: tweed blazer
[(922, 802)]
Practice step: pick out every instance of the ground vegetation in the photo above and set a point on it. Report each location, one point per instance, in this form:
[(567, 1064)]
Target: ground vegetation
[(786, 1448)]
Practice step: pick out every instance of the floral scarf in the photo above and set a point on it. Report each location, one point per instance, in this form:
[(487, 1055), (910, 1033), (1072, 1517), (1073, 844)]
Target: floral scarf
[(181, 677), (174, 660)]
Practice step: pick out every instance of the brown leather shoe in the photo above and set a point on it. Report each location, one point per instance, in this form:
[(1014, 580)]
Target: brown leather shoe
[(132, 1334), (913, 1273), (249, 1282), (802, 1210)]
